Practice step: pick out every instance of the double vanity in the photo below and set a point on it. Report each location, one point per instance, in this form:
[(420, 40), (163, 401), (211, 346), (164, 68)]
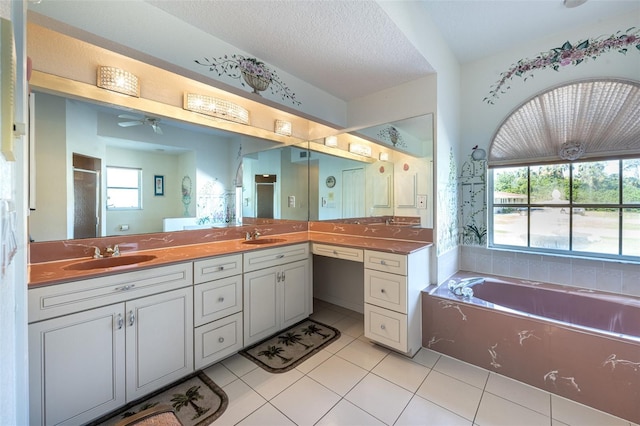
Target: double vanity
[(101, 337)]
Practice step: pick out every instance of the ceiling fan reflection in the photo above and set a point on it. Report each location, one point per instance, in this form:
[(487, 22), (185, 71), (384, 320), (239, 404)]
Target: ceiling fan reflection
[(137, 121)]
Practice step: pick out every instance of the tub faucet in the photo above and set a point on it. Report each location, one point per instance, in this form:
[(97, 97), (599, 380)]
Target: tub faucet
[(463, 288)]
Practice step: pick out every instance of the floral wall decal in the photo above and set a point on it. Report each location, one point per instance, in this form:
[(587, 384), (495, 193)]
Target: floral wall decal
[(567, 54), (251, 71), (447, 208), (473, 203), (392, 134)]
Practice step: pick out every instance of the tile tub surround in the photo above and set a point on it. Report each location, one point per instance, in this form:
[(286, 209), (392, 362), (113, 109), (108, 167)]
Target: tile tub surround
[(597, 369), (612, 276)]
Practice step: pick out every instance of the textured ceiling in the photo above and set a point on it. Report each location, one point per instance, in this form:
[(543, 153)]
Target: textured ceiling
[(475, 29), (348, 48)]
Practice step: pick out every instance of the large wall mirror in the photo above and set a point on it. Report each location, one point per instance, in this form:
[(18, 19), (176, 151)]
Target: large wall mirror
[(175, 175), (395, 183), (187, 176)]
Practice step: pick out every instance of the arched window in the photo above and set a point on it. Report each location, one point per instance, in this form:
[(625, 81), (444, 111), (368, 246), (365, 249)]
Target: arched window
[(565, 172)]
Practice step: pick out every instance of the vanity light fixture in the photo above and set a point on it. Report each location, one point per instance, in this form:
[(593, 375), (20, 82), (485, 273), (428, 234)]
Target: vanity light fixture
[(364, 150), (384, 156), (118, 80), (331, 141), (215, 107), (283, 127)]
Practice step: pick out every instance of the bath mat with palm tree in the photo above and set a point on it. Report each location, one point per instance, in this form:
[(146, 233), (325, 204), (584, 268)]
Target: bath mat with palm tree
[(283, 351), (196, 400)]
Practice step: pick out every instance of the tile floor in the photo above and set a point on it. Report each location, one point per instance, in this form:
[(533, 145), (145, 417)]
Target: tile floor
[(354, 382)]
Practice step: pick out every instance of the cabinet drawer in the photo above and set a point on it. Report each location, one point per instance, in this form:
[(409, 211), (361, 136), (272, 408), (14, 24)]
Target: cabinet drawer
[(386, 327), (62, 299), (217, 267), (385, 290), (217, 340), (385, 262), (346, 253), (217, 299), (275, 256)]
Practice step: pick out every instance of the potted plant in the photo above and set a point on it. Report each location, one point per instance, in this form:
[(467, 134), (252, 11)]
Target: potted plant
[(251, 71)]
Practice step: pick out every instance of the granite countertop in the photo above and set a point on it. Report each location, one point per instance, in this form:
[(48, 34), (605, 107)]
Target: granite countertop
[(54, 272)]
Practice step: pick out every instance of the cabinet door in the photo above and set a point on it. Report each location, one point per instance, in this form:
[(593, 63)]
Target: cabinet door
[(76, 366), (159, 340), (295, 283), (261, 293)]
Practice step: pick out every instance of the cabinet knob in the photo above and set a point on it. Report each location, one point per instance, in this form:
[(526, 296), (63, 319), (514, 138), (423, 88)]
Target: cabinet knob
[(220, 339), (120, 321), (125, 287), (382, 327), (382, 262), (132, 317), (382, 290), (220, 268), (220, 299)]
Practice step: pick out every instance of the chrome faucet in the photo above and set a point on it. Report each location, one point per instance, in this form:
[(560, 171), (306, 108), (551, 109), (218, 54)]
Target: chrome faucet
[(463, 287), (114, 252), (96, 253), (252, 235)]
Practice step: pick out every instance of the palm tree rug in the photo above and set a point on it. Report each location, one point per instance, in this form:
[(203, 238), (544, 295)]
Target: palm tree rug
[(289, 348), (195, 399)]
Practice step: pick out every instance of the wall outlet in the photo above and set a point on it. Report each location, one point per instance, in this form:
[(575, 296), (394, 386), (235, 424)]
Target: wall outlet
[(421, 201), (291, 201)]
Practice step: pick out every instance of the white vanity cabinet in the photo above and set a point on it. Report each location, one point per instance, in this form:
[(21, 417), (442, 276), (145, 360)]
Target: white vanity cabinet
[(99, 343), (277, 290), (217, 308), (392, 310)]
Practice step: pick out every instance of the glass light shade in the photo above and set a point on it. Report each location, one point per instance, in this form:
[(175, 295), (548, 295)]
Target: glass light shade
[(215, 107), (118, 80), (364, 150), (331, 141), (283, 127)]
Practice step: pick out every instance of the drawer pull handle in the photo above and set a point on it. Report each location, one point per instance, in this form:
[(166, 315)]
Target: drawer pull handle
[(132, 317), (382, 262), (383, 327), (120, 321), (220, 299), (125, 287), (280, 256), (279, 277), (220, 339)]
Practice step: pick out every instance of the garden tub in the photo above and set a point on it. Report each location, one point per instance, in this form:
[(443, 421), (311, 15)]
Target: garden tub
[(580, 344)]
